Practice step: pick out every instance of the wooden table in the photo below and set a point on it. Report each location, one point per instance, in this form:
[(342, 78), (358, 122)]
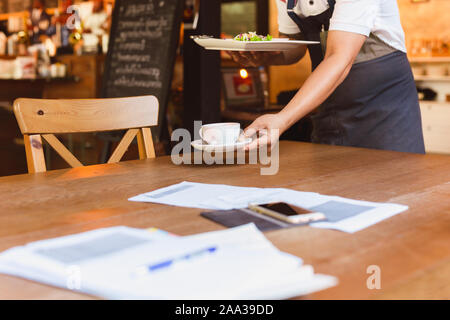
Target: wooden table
[(412, 249)]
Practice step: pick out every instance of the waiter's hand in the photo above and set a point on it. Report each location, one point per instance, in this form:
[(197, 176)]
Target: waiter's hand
[(267, 130), (255, 58)]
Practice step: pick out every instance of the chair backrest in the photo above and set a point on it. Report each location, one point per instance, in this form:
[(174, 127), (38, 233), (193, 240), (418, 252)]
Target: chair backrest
[(40, 118)]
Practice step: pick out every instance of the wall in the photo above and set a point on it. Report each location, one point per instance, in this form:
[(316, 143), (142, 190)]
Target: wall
[(428, 20), (238, 16)]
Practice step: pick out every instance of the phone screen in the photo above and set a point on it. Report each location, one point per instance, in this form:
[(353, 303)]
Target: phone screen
[(286, 209)]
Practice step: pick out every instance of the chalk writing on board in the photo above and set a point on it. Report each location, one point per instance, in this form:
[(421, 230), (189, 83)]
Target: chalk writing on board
[(137, 69), (134, 10), (133, 82), (132, 58), (128, 46)]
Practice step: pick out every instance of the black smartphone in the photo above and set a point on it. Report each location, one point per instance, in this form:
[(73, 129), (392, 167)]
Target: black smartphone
[(287, 212)]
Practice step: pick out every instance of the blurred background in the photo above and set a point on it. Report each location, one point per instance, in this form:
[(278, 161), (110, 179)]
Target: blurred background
[(48, 51)]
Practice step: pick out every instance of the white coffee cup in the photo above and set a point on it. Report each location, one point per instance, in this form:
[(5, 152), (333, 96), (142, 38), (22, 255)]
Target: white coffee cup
[(220, 133)]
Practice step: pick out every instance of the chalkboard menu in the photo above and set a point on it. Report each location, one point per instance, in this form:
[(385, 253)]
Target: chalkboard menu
[(142, 50)]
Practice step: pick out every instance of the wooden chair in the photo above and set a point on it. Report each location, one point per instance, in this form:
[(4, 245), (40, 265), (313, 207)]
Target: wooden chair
[(40, 118)]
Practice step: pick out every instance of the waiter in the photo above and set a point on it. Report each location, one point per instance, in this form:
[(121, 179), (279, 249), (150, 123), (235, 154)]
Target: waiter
[(361, 90)]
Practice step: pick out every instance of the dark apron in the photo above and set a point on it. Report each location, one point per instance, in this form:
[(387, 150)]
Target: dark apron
[(376, 106)]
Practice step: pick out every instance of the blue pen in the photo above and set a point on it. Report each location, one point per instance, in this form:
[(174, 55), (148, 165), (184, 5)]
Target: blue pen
[(168, 263)]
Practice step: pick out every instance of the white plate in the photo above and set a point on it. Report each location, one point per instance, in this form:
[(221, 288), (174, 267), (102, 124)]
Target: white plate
[(200, 145), (234, 45)]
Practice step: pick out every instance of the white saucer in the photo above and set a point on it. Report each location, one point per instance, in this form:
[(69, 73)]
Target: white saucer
[(200, 145), (234, 45)]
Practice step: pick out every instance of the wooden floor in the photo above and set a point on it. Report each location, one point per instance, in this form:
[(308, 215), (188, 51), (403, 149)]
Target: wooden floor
[(412, 248)]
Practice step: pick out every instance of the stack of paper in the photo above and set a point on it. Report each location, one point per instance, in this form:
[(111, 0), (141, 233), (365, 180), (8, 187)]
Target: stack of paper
[(342, 214), (125, 263)]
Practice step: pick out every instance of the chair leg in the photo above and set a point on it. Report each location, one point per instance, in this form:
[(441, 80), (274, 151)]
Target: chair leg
[(48, 156), (35, 153), (83, 148), (106, 150)]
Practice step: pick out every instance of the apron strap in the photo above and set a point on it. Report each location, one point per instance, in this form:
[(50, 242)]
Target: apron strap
[(331, 3), (311, 28)]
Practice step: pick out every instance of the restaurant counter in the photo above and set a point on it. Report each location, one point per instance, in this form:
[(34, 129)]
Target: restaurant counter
[(83, 81), (87, 68)]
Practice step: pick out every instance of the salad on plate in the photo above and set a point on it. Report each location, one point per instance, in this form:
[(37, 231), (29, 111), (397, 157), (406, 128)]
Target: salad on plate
[(252, 36)]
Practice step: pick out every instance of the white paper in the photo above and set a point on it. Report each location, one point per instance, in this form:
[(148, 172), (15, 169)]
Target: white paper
[(225, 197), (380, 212), (221, 197), (245, 266)]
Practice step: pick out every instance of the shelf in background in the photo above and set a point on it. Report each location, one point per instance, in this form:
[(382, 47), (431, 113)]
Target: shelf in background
[(432, 78), (434, 103), (429, 59), (50, 11), (24, 14)]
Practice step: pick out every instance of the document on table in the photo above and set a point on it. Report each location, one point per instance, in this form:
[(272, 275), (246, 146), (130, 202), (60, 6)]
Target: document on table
[(219, 196), (342, 214), (126, 263)]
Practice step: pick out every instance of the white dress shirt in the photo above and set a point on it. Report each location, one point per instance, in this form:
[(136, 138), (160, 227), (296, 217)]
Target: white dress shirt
[(380, 17)]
